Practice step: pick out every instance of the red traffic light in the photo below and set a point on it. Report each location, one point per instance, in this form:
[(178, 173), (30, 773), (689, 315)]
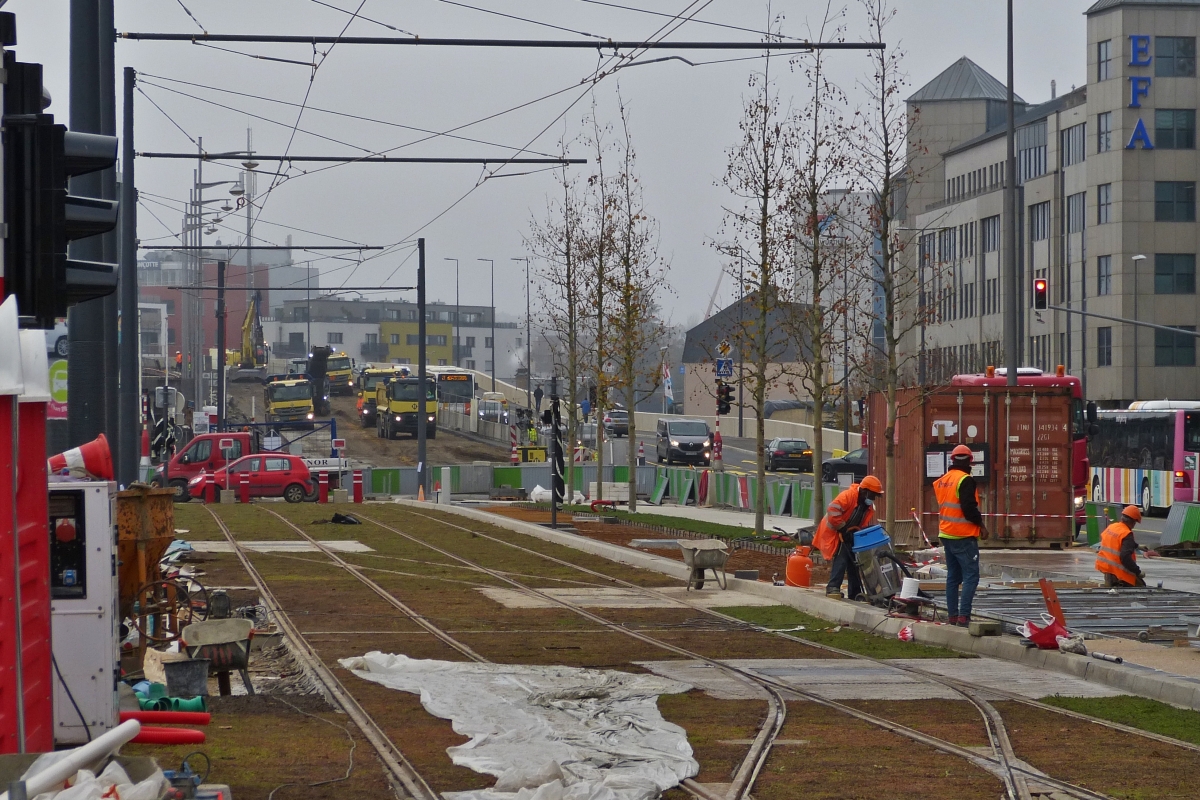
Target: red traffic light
[(1039, 293)]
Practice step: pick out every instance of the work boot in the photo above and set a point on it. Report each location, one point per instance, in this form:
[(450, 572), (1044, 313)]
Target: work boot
[(964, 622), (835, 595), (953, 620)]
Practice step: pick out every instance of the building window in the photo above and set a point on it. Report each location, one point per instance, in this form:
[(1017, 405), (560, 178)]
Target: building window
[(487, 341), (470, 364), (1174, 201), (1104, 275), (300, 314), (1103, 347), (441, 362), (170, 336), (1075, 212), (395, 338), (414, 339), (1031, 151), (1174, 56), (487, 366), (1175, 128), (1175, 349), (1074, 144), (1103, 203), (333, 337), (1174, 273), (990, 234), (372, 315), (470, 341), (1104, 132), (1039, 222), (170, 306), (371, 338), (1104, 60)]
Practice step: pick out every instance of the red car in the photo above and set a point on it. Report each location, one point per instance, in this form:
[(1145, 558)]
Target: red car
[(271, 475)]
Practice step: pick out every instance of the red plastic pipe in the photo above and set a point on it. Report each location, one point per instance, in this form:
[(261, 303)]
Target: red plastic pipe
[(168, 717), (169, 736)]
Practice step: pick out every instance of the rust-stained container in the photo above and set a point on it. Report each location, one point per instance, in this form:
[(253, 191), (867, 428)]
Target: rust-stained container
[(1025, 487), (145, 528)]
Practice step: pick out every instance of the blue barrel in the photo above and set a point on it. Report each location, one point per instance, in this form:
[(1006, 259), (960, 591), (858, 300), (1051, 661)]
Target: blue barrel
[(870, 539)]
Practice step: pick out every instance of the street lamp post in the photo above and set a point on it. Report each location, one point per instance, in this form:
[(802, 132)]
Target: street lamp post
[(457, 310), (528, 345), (492, 263), (1136, 259)]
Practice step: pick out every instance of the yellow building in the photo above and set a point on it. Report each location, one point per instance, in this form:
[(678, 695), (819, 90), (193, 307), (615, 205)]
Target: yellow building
[(403, 338)]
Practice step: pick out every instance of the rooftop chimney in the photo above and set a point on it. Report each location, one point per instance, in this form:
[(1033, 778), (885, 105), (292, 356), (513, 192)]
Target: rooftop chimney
[(1053, 90)]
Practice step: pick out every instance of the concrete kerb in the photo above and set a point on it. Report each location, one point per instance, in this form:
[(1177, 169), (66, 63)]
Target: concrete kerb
[(1142, 681)]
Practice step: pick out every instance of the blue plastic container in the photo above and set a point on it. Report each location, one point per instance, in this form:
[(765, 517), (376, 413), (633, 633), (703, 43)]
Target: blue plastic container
[(870, 539)]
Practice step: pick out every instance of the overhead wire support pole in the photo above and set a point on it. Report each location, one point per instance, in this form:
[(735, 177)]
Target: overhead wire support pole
[(129, 409), (422, 376), (365, 159), (564, 44)]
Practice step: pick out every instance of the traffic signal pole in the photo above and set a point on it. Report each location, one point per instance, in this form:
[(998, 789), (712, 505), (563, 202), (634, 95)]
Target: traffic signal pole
[(130, 426), (106, 80), (85, 360)]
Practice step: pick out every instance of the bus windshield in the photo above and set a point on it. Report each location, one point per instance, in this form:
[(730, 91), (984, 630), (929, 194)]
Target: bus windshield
[(338, 364), (1191, 431), (407, 392), (1134, 440), (281, 392)]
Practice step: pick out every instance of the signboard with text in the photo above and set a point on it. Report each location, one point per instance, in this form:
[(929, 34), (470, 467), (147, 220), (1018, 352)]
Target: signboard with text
[(57, 407)]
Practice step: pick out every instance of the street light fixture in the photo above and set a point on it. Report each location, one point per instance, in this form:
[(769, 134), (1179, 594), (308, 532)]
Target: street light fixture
[(1135, 259), (493, 266)]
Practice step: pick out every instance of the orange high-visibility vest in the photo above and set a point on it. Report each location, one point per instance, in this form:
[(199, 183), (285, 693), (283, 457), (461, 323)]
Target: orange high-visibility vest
[(951, 522), (1108, 557), (827, 538)]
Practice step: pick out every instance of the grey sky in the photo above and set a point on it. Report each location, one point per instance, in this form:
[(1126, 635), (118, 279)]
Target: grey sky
[(683, 118)]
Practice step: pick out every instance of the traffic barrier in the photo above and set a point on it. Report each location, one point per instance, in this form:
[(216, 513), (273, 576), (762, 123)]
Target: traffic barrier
[(516, 458), (358, 486), (323, 487), (244, 487), (210, 488), (93, 460)]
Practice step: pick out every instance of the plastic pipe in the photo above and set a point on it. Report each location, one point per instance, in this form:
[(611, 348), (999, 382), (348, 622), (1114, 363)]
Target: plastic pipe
[(80, 758), (167, 736), (168, 717)]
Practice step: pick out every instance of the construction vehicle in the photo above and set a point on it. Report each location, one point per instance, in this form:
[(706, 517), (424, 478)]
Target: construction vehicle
[(288, 400), (340, 370), (397, 407), (252, 361), (368, 384), (318, 373)]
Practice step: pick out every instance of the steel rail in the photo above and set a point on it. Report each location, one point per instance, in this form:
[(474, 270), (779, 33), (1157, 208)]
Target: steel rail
[(751, 765), (1001, 744), (405, 778)]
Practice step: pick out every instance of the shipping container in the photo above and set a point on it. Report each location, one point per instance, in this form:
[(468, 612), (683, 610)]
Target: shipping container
[(1022, 441)]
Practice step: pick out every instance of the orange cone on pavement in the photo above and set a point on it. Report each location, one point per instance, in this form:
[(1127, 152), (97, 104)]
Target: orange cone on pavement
[(421, 494), (91, 460)]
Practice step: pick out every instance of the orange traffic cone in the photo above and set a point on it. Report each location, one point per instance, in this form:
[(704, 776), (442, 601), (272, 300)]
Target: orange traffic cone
[(91, 460), (420, 494)]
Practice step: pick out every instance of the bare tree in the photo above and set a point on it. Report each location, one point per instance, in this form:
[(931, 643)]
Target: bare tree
[(761, 175), (639, 272)]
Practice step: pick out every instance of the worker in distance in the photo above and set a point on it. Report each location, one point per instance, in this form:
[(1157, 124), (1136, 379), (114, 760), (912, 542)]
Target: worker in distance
[(960, 527), (852, 510), (1117, 556)]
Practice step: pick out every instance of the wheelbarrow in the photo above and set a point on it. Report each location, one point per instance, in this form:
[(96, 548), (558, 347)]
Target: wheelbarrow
[(226, 643), (702, 554)]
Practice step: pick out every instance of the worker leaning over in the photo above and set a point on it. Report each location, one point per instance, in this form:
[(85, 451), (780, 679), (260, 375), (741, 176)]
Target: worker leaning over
[(1117, 557), (852, 510), (960, 527)]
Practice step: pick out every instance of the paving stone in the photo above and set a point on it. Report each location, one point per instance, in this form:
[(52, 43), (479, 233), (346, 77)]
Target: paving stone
[(606, 597), (284, 546)]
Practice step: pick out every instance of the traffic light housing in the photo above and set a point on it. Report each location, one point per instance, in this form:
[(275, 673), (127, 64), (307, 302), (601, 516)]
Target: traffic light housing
[(724, 397), (1040, 287), (39, 213)]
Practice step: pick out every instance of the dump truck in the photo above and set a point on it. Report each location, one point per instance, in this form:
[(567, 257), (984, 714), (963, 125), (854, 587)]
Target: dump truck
[(288, 401), (340, 370), (368, 384), (1023, 440), (397, 407)]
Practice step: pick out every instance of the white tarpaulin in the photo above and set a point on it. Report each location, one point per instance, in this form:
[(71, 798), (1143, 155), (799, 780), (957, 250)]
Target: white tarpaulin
[(547, 732)]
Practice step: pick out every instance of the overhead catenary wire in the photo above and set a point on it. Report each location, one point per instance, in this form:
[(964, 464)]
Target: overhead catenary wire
[(372, 159)]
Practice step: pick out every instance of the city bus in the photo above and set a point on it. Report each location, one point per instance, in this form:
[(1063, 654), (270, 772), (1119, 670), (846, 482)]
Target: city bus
[(1031, 376), (1146, 458), (455, 387)]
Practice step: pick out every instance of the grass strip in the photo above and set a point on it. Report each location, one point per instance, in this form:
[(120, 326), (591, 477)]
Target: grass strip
[(820, 631), (1136, 712)]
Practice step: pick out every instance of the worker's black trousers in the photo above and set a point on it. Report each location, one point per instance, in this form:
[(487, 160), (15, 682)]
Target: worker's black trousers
[(844, 566)]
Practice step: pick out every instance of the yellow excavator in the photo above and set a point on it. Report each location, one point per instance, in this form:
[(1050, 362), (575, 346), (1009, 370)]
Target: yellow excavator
[(252, 365)]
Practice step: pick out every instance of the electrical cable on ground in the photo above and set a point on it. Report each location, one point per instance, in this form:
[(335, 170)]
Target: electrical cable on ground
[(342, 728), (71, 697)]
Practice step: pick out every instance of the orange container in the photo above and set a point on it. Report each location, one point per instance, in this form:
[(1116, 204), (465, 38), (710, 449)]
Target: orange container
[(799, 567)]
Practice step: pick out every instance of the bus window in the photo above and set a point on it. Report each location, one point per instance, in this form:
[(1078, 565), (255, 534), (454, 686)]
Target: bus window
[(1191, 432)]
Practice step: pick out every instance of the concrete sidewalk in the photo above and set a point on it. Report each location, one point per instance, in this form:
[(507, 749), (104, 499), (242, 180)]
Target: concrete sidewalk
[(1079, 563), (723, 516)]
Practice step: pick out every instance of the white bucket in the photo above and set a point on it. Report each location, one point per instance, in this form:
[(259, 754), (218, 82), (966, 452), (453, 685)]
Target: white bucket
[(910, 588)]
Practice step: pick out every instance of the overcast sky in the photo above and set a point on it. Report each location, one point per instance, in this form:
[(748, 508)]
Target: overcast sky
[(683, 118)]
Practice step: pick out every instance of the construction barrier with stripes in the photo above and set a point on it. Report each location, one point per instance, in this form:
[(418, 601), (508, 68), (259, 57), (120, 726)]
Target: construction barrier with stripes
[(786, 496)]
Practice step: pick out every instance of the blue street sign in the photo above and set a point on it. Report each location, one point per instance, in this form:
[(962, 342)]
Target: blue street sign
[(724, 367)]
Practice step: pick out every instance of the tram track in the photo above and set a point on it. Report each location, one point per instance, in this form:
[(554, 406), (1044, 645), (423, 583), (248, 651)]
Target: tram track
[(1014, 776)]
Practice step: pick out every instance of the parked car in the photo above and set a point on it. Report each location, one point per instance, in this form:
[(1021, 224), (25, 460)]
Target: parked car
[(789, 454), (855, 461), (271, 475), (493, 411), (56, 339), (616, 422), (685, 440)]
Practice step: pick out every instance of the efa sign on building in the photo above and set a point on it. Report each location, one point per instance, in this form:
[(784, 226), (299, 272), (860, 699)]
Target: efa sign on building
[(1176, 57)]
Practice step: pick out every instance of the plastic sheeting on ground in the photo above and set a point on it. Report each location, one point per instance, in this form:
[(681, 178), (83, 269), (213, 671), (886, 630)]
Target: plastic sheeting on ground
[(547, 732), (113, 783)]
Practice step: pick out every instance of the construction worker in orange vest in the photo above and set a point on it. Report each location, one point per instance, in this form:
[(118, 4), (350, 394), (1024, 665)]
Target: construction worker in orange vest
[(850, 511), (1117, 556), (960, 527)]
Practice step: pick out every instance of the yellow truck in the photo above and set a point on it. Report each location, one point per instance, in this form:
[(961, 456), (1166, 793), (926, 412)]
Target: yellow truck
[(397, 407), (340, 370), (288, 401), (368, 385)]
